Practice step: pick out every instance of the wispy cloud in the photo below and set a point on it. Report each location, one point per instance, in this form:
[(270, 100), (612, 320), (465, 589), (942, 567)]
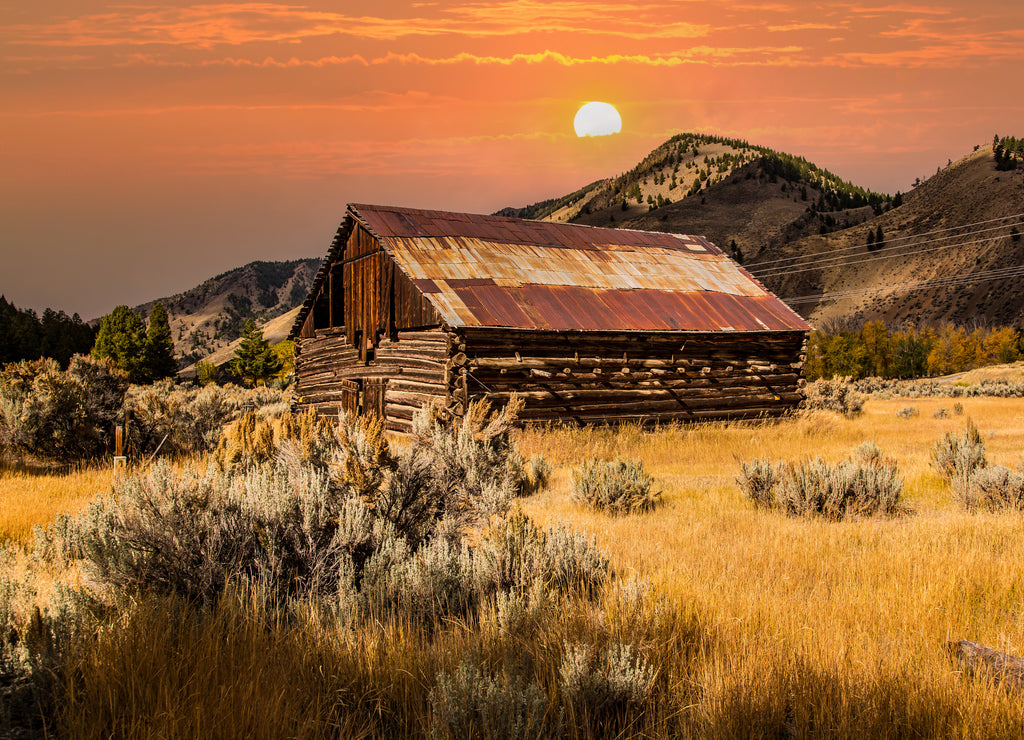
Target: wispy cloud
[(773, 56), (206, 26), (894, 8), (790, 27), (375, 101)]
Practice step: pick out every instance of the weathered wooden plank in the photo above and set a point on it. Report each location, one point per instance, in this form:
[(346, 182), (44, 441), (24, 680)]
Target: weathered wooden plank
[(436, 389), (406, 398)]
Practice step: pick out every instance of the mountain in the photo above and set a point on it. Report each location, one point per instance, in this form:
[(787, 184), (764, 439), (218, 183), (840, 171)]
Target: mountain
[(803, 231), (210, 316), (952, 252), (745, 198)]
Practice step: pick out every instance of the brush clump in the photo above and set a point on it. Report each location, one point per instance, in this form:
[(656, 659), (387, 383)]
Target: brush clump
[(836, 394), (866, 485), (616, 487)]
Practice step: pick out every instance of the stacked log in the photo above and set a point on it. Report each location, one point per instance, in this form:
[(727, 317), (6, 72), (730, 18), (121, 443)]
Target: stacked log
[(599, 378), (418, 359), (317, 363), (330, 372)]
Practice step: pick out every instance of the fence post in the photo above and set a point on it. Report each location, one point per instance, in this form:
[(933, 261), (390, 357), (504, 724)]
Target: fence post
[(120, 460)]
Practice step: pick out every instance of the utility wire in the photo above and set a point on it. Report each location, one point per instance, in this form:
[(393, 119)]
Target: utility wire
[(896, 239), (883, 253), (888, 256), (1003, 273)]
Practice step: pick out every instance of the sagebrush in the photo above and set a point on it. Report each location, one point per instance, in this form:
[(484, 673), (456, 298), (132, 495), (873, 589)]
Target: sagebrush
[(871, 484), (836, 394), (616, 486)]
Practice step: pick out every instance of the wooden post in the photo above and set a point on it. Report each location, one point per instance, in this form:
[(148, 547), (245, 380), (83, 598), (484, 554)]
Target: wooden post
[(120, 461)]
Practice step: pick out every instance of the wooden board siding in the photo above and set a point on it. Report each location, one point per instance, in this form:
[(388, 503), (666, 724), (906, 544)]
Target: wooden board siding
[(363, 315), (411, 308), (360, 242), (367, 294), (596, 378), (373, 396)]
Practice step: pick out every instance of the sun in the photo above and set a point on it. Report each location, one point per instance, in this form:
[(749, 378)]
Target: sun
[(597, 119)]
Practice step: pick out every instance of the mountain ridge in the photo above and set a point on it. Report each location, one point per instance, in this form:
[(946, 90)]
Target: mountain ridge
[(210, 316)]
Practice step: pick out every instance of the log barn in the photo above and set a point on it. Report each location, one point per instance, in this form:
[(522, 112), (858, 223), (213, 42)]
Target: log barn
[(586, 324)]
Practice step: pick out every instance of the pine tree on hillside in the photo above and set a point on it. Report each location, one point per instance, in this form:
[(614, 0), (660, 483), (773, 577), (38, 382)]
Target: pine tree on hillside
[(25, 336), (122, 339), (879, 238), (159, 351), (254, 361), (19, 333)]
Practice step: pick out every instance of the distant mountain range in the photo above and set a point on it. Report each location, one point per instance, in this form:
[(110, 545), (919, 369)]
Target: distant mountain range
[(948, 252), (210, 317)]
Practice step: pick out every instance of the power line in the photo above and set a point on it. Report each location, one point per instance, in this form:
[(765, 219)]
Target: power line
[(894, 239), (883, 253), (889, 256), (1002, 273)]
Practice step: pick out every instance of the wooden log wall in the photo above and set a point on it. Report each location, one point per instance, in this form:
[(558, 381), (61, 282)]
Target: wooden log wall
[(587, 378), (318, 383), (416, 374), (410, 371), (607, 377)]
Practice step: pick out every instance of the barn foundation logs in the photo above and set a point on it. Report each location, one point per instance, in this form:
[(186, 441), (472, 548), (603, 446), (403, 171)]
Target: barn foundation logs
[(612, 377), (586, 377)]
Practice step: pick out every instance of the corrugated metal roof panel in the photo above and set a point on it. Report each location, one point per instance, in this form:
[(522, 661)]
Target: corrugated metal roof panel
[(496, 271)]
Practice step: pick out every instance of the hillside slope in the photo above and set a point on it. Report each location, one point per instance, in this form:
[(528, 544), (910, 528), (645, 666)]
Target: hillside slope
[(210, 316), (963, 222), (747, 199)]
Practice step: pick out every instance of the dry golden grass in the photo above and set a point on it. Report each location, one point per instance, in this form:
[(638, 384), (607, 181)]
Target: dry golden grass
[(859, 604), (30, 497), (777, 626)]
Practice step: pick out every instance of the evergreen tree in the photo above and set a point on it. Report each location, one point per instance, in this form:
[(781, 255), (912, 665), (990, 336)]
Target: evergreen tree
[(122, 339), (24, 336), (19, 333), (206, 372), (897, 200), (254, 360), (159, 350), (737, 253), (879, 238), (871, 240)]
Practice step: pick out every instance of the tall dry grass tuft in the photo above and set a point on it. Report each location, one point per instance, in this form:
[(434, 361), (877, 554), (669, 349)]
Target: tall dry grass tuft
[(31, 497)]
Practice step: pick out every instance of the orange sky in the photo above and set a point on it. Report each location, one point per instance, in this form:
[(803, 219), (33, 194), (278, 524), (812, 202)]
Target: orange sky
[(148, 147)]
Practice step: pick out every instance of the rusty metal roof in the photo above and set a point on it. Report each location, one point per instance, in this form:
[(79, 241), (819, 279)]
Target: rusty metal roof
[(494, 271)]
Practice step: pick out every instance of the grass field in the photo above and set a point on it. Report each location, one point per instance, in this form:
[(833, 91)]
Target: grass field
[(864, 605), (779, 626), (33, 496)]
